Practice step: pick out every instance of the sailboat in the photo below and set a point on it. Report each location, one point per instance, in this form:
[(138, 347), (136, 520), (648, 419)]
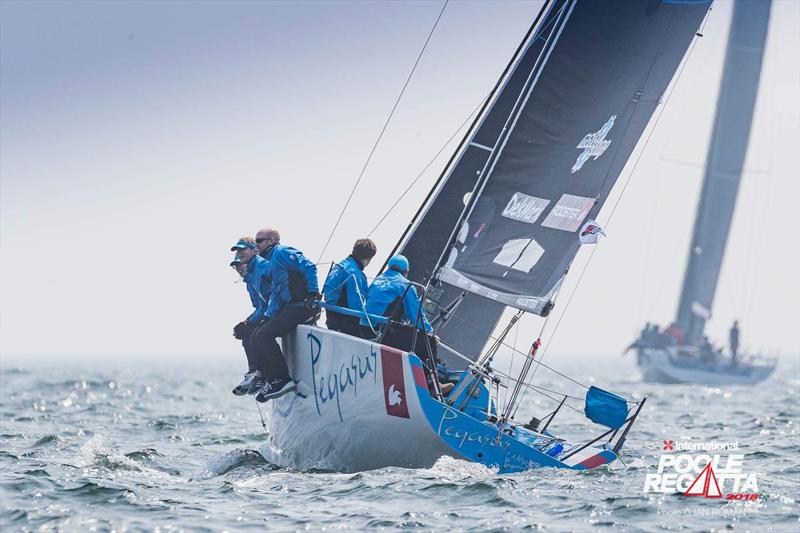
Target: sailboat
[(499, 230), (682, 353)]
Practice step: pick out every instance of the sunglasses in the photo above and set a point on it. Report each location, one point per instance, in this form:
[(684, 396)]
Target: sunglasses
[(262, 239)]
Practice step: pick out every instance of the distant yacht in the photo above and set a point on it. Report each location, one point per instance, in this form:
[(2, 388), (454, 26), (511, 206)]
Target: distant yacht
[(682, 353)]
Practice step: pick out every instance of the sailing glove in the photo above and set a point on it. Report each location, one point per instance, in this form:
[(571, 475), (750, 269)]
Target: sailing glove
[(312, 301), (241, 330)]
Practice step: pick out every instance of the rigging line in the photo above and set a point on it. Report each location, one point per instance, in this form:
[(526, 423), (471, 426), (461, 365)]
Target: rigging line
[(471, 132), (383, 130), (536, 387), (513, 357), (625, 185), (415, 180), (489, 335), (263, 424), (526, 385), (523, 377), (558, 22)]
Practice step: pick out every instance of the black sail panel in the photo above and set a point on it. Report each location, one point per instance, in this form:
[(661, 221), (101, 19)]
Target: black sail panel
[(430, 236), (424, 246), (726, 156), (602, 78)]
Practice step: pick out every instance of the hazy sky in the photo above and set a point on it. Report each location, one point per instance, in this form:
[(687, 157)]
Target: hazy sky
[(139, 140)]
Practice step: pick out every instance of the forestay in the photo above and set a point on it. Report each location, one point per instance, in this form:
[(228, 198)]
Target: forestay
[(601, 73)]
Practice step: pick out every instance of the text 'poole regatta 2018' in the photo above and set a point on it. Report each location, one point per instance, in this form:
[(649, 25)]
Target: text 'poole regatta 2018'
[(500, 229)]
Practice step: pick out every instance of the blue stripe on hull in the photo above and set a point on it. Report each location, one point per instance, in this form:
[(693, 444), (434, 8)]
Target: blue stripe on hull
[(477, 441)]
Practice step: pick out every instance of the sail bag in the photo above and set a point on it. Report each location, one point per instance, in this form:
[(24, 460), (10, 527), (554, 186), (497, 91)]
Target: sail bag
[(605, 408)]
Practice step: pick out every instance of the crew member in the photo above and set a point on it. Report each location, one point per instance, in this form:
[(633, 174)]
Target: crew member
[(392, 295), (266, 239), (346, 286), (253, 270), (294, 293), (733, 340), (239, 267)]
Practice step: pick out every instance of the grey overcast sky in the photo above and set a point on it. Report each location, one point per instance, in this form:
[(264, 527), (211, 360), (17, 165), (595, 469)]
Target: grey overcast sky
[(138, 140)]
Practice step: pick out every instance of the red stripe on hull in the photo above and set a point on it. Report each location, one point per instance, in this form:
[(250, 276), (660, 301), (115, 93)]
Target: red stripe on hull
[(594, 461)]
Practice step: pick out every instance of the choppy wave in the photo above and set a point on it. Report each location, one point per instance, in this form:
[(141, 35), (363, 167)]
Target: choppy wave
[(86, 448)]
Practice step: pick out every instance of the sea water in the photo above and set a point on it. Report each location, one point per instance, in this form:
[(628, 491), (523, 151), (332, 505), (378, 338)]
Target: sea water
[(165, 446)]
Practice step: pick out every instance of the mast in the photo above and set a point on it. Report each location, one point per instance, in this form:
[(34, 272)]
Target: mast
[(724, 164)]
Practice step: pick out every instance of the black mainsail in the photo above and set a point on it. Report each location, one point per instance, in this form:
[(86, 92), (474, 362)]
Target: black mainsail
[(502, 228), (431, 235), (724, 164)]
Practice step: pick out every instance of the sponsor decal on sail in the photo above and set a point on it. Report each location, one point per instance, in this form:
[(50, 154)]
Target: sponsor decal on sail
[(525, 208), (519, 254), (594, 144), (568, 213)]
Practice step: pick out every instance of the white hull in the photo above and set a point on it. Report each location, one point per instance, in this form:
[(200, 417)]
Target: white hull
[(666, 365), (345, 421)]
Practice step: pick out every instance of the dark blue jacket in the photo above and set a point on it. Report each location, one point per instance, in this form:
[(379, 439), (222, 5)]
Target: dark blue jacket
[(346, 285), (258, 286), (293, 277), (387, 288)]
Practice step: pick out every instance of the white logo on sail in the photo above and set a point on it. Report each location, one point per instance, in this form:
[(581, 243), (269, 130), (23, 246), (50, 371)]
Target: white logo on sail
[(594, 144), (394, 396), (525, 208), (519, 254)]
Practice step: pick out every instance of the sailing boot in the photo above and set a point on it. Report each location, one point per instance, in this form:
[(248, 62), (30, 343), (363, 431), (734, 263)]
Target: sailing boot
[(275, 388), (256, 385), (242, 388)]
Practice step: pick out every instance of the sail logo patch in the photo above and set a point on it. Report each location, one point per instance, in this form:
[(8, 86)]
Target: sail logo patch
[(519, 254), (394, 386), (594, 144), (525, 208), (568, 213)]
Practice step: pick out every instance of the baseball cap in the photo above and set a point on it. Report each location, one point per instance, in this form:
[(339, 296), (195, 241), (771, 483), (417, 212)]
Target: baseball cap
[(242, 245)]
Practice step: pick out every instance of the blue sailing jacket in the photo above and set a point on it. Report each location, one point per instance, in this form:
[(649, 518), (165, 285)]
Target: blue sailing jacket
[(258, 286), (387, 288), (293, 278), (346, 285)]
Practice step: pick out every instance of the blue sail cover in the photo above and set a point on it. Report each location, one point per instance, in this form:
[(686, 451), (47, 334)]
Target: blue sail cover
[(605, 408)]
